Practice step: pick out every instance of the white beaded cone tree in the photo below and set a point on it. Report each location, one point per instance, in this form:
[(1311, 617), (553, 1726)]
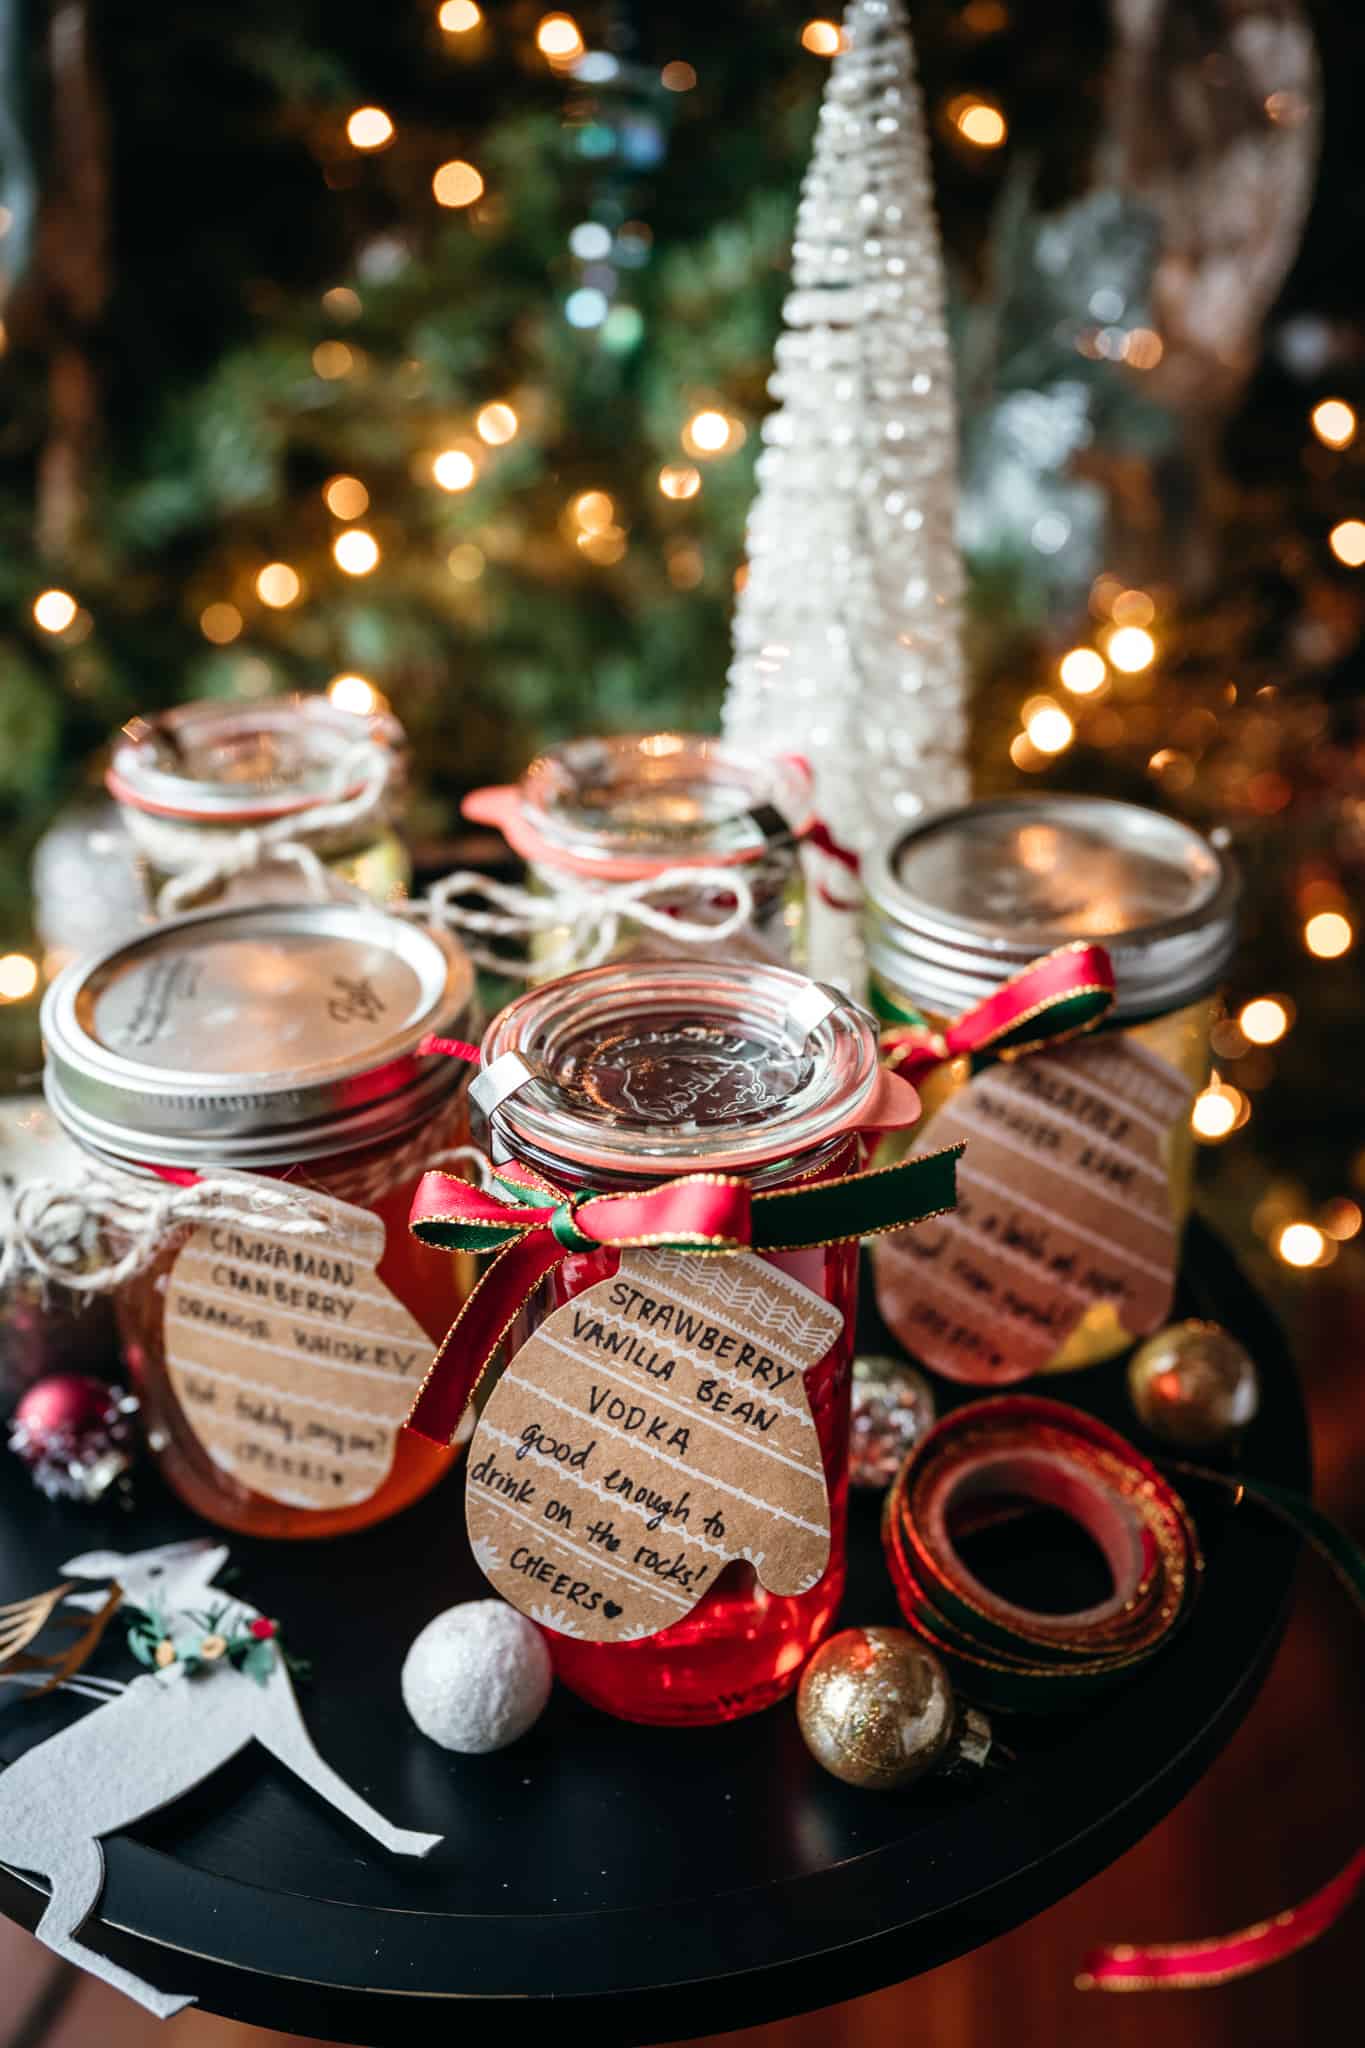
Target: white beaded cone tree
[(847, 633)]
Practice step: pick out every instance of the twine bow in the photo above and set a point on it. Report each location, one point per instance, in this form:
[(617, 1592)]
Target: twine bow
[(587, 915), (293, 839), (531, 1225), (1059, 997)]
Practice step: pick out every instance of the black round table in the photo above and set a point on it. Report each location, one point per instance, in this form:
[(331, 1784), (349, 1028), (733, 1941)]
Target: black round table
[(656, 1884)]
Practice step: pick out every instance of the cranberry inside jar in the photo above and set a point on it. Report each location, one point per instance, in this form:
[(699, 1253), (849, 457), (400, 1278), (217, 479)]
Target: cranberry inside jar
[(626, 1077)]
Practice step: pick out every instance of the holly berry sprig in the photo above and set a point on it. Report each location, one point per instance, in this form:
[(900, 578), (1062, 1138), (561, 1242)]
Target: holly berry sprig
[(251, 1649)]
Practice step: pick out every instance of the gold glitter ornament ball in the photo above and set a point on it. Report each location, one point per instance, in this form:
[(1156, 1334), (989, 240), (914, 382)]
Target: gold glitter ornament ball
[(876, 1708), (1193, 1385)]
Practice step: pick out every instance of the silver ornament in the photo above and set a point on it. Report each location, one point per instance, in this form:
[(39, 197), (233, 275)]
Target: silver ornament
[(892, 1408)]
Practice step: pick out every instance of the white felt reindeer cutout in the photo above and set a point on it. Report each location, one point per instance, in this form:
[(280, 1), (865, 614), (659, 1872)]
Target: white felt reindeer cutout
[(153, 1741)]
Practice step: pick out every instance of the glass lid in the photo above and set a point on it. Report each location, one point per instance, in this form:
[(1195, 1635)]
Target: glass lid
[(656, 1066), (653, 795), (227, 762)]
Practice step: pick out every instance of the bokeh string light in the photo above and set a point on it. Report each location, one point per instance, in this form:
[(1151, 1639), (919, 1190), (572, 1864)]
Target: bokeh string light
[(496, 424), (1347, 542), (353, 693), (18, 977), (454, 469), (1301, 1244), (1083, 671), (346, 497), (821, 38), (278, 586), (1264, 1021), (1131, 649), (457, 183), (1328, 934), (979, 122), (559, 38), (1334, 423), (54, 610), (221, 623), (369, 128), (355, 551), (679, 480)]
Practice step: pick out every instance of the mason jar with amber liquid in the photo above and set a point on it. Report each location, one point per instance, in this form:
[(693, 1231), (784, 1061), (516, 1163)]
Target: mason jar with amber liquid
[(682, 811), (962, 904), (194, 783), (279, 1043)]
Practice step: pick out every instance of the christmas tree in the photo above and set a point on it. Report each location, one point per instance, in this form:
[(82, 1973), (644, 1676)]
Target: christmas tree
[(422, 354)]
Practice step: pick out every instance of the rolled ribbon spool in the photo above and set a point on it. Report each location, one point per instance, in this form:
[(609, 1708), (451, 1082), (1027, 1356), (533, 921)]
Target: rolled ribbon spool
[(1043, 1452), (1019, 1447)]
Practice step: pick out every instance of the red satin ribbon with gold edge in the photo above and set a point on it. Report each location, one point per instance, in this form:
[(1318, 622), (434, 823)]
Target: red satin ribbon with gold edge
[(1065, 993), (531, 1225), (1019, 1446)]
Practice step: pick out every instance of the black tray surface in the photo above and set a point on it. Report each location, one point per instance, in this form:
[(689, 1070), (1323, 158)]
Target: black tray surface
[(660, 1883)]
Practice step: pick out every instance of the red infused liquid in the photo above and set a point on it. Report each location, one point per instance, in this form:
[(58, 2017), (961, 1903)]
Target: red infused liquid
[(741, 1647), (683, 1068)]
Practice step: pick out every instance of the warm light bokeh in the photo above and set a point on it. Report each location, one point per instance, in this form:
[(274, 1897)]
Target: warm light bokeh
[(821, 38), (369, 128), (1264, 1021), (353, 693), (1328, 934), (679, 480), (1347, 542), (496, 424), (1131, 649), (559, 38), (355, 551), (457, 183), (278, 585), (1082, 671), (1334, 423), (454, 469), (345, 497), (18, 977)]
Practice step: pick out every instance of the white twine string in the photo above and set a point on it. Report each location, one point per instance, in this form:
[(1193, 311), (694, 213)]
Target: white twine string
[(91, 1234), (587, 915), (206, 864)]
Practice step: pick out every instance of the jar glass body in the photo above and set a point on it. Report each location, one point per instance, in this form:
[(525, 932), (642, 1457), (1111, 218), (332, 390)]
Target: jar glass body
[(741, 1648), (377, 864), (1181, 1039), (382, 1179), (774, 935)]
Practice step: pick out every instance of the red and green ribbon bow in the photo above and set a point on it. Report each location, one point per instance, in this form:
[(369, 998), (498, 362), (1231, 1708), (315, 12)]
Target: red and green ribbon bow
[(1058, 997), (531, 1225)]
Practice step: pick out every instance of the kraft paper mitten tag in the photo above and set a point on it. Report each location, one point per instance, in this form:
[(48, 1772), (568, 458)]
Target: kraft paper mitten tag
[(650, 1431), (293, 1363), (1064, 1202)]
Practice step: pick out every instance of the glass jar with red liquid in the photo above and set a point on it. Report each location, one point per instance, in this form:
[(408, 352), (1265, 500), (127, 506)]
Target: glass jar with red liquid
[(277, 1041), (629, 1075)]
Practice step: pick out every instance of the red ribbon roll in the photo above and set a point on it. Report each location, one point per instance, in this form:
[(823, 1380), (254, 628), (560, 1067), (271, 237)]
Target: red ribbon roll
[(1019, 1446)]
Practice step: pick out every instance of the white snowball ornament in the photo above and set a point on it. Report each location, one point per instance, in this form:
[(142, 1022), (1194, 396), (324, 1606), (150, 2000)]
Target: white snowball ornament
[(477, 1677)]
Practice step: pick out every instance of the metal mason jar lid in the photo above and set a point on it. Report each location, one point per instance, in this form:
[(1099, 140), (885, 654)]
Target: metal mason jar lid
[(255, 1036), (963, 902), (216, 763)]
